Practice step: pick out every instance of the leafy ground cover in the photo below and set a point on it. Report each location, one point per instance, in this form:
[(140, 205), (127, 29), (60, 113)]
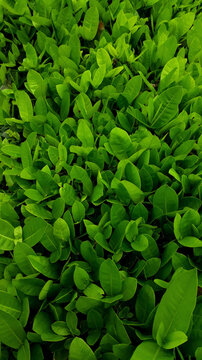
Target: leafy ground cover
[(100, 172)]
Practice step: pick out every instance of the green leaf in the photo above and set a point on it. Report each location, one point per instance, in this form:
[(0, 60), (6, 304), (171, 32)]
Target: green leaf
[(110, 279), (190, 241), (43, 266), (36, 83), (42, 326), (24, 105), (140, 243), (117, 214), (90, 23), (177, 226), (103, 58), (81, 278), (145, 303), (177, 304), (84, 134), (79, 173), (6, 235), (152, 266), (129, 288), (78, 211), (134, 192), (132, 174), (166, 199), (120, 143), (38, 211), (45, 289), (191, 217), (21, 253), (29, 286), (174, 339), (74, 44), (132, 89), (13, 151), (60, 328), (72, 322), (198, 353), (61, 230), (166, 106), (99, 75), (10, 304), (150, 350), (12, 333), (80, 350), (24, 352)]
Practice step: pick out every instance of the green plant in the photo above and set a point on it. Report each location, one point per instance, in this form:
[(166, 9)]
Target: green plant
[(100, 172)]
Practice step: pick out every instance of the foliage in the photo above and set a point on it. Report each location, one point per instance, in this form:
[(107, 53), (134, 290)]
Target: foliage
[(100, 173)]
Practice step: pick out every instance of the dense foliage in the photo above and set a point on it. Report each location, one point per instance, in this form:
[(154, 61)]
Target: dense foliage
[(100, 173)]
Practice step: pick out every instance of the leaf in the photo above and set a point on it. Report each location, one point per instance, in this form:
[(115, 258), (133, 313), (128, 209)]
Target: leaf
[(166, 106), (36, 83), (29, 286), (78, 211), (13, 151), (84, 134), (60, 328), (198, 353), (24, 352), (24, 105), (184, 149), (38, 211), (134, 192), (21, 252), (72, 322), (140, 243), (190, 241), (80, 350), (177, 226), (152, 266), (132, 88), (150, 350), (6, 235), (43, 266), (174, 339), (79, 173), (81, 278), (132, 174), (120, 143), (177, 304), (129, 288), (103, 58), (19, 6), (34, 230), (45, 289), (99, 75), (74, 44), (12, 333), (166, 199), (90, 23), (33, 194), (117, 237), (110, 279), (101, 240), (10, 304), (117, 214), (61, 230), (191, 217), (115, 327), (42, 326), (47, 184), (145, 302)]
